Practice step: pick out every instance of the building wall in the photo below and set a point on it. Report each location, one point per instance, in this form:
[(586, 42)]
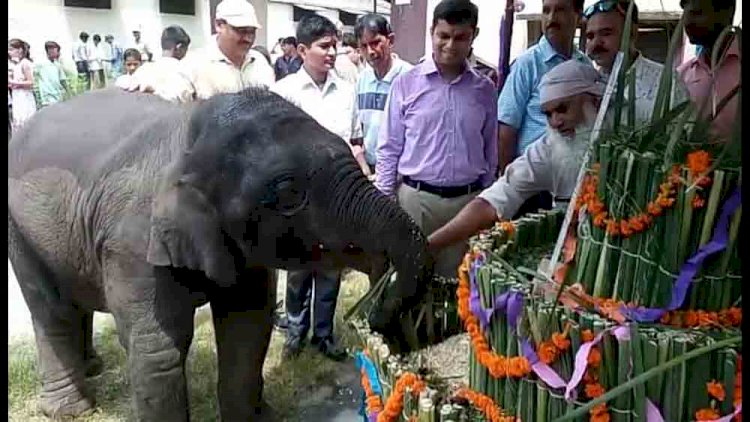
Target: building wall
[(280, 22), (38, 21)]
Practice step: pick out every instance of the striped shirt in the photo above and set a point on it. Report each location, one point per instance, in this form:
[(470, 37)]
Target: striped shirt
[(371, 96)]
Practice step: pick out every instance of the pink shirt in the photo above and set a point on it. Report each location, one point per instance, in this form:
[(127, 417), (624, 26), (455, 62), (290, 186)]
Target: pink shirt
[(697, 74)]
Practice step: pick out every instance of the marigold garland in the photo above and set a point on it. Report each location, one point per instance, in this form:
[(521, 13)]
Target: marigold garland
[(716, 390), (626, 227), (499, 366), (486, 405), (731, 317), (706, 414), (395, 401)]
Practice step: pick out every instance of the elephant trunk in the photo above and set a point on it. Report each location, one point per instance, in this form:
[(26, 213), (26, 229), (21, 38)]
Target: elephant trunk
[(380, 227)]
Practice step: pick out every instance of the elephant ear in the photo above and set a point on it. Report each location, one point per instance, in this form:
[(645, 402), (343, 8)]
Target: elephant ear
[(185, 232)]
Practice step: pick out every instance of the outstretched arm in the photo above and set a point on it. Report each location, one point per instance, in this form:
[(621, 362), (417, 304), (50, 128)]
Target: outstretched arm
[(475, 216)]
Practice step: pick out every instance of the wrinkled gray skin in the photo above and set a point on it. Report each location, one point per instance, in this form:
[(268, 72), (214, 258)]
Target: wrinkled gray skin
[(127, 204)]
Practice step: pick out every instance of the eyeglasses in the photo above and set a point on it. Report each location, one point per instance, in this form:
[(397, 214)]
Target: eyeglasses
[(606, 6)]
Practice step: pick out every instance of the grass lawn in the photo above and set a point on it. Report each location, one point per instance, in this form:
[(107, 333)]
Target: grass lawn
[(288, 388)]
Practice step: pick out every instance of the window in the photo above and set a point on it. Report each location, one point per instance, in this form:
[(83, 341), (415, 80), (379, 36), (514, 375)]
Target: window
[(177, 7), (299, 13), (92, 4)]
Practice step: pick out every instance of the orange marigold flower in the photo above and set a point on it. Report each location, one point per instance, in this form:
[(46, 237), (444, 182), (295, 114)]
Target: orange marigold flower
[(612, 227), (704, 181), (735, 316), (599, 409), (654, 209), (594, 390), (560, 341), (599, 219), (698, 161), (666, 318), (690, 319), (587, 336), (508, 227), (698, 202), (547, 352), (625, 228), (595, 357), (716, 390), (706, 414)]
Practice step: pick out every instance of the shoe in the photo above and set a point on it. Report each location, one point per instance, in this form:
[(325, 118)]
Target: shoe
[(292, 347), (280, 321), (329, 348)]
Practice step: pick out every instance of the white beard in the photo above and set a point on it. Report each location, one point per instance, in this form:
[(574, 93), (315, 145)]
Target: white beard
[(568, 151)]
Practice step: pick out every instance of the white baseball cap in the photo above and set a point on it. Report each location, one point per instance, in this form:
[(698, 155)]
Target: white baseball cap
[(238, 13)]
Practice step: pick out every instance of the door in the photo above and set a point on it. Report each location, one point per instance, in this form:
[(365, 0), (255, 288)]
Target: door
[(409, 23)]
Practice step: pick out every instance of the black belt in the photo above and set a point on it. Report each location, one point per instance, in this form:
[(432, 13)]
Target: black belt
[(443, 191)]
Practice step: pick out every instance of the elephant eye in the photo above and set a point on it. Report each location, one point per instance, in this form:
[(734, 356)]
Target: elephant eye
[(287, 197)]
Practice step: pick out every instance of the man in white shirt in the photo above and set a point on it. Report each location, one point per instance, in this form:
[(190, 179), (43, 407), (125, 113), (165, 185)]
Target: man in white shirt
[(81, 57), (107, 56), (96, 70), (605, 23), (141, 46), (166, 77), (331, 101), (570, 95)]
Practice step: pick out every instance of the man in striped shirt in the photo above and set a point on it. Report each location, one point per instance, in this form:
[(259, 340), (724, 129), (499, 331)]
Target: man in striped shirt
[(375, 38)]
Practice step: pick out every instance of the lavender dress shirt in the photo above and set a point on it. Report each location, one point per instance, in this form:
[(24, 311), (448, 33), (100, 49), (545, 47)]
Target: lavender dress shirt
[(436, 132)]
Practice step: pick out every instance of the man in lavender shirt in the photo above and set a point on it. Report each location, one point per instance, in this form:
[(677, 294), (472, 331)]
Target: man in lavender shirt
[(440, 135)]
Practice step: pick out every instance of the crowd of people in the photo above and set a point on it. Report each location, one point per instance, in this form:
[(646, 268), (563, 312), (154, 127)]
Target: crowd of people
[(435, 135)]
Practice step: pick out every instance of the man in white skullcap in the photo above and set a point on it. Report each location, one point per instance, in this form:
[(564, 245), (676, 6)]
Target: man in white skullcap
[(569, 97)]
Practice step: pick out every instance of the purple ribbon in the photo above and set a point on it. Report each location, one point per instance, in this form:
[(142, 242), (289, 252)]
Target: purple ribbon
[(653, 414), (621, 332), (510, 303), (692, 265)]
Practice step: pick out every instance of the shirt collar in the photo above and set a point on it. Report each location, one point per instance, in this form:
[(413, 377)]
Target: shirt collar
[(215, 53), (307, 80), (549, 52), (395, 70), (428, 67), (733, 50)]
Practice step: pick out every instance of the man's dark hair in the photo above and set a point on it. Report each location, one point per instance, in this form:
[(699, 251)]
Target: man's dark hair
[(173, 35), (349, 40), (457, 12), (83, 36), (314, 27), (132, 53), (377, 24), (49, 45), (290, 41), (97, 38)]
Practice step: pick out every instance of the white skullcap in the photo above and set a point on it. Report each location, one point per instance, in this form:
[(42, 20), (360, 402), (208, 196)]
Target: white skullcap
[(568, 79)]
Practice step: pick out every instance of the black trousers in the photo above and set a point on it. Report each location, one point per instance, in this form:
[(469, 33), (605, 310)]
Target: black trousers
[(299, 288)]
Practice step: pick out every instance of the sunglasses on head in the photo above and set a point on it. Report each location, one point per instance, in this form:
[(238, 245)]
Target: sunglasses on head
[(606, 6)]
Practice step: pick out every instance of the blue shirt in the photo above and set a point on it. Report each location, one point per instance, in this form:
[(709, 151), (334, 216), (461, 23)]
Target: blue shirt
[(518, 104), (372, 94)]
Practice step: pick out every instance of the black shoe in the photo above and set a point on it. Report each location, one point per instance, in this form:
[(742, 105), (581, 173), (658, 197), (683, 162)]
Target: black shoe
[(292, 347), (280, 321), (329, 348)]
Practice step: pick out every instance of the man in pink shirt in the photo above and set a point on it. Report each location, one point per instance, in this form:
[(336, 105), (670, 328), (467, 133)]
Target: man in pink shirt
[(704, 21), (438, 141)]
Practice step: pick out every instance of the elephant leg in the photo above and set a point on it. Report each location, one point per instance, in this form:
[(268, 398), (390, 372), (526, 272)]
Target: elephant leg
[(94, 364), (154, 317), (58, 334), (243, 317)]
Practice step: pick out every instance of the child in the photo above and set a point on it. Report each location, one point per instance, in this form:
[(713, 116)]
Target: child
[(51, 78), (132, 59), (331, 101), (21, 82)]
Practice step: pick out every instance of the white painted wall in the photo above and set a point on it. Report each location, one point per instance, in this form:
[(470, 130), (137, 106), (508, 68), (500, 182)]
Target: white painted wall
[(38, 21), (280, 22)]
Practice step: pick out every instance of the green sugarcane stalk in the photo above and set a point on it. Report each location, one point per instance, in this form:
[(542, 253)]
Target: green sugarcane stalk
[(698, 374), (608, 254), (650, 360), (511, 384), (651, 249), (679, 360), (597, 234), (542, 396), (730, 253), (527, 402), (687, 219), (729, 363), (623, 402), (639, 392)]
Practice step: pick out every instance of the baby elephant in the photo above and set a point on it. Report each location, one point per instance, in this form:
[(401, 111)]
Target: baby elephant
[(128, 204)]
